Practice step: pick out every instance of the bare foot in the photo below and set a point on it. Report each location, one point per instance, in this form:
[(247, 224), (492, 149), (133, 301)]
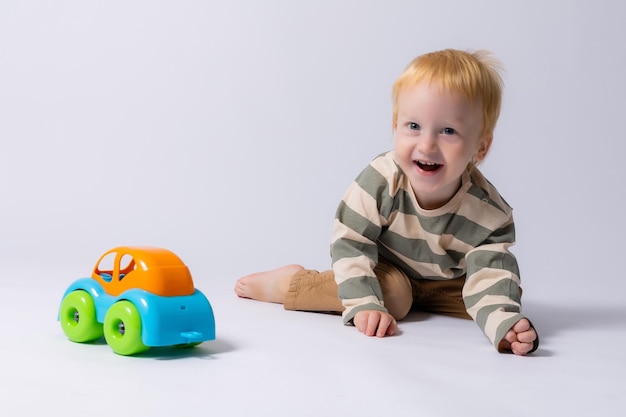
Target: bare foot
[(270, 286)]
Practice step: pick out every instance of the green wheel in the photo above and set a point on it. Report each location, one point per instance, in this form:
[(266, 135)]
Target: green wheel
[(77, 316), (122, 329)]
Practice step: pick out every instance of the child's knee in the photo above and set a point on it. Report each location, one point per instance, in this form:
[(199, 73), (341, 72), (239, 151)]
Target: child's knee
[(398, 310), (396, 288)]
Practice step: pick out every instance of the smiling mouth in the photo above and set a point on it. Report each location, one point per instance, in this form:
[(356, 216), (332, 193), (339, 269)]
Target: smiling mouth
[(428, 166)]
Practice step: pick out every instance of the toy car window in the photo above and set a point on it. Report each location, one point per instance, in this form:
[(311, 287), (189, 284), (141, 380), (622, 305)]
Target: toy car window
[(105, 267), (127, 265)]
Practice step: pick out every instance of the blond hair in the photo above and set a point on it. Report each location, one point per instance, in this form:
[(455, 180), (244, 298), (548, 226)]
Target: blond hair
[(475, 75)]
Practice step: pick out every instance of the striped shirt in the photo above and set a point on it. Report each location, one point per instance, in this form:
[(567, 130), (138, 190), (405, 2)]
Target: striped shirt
[(379, 218)]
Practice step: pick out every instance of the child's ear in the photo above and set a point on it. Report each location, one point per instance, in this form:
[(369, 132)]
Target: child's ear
[(483, 148)]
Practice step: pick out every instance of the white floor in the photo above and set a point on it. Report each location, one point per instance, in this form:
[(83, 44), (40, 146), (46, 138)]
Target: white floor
[(270, 362)]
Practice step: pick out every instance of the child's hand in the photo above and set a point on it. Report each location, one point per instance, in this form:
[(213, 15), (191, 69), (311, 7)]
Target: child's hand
[(520, 339), (375, 323)]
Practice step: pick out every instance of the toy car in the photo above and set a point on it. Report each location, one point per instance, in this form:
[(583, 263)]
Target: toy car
[(137, 297)]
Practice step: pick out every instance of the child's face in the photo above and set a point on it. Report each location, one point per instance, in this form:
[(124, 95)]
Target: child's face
[(437, 134)]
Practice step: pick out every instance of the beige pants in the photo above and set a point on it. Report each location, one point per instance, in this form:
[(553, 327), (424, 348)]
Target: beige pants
[(317, 291)]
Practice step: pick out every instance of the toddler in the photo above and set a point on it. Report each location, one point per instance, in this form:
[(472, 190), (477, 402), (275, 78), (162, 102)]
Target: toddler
[(420, 227)]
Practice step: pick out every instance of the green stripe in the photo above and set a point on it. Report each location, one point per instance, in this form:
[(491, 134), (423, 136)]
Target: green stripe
[(376, 185), (490, 259), (403, 202), (483, 313), (505, 326), (505, 234), (346, 248), (391, 258), (418, 250), (503, 287), (358, 287), (460, 227), (483, 194), (357, 222)]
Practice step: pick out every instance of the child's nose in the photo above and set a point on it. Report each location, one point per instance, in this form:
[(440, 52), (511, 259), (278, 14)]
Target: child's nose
[(428, 142)]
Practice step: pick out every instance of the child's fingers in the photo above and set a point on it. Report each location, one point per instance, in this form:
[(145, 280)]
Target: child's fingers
[(511, 336), (527, 337), (520, 348), (521, 326), (360, 321), (385, 325), (393, 328), (519, 339), (375, 324), (367, 322), (507, 341)]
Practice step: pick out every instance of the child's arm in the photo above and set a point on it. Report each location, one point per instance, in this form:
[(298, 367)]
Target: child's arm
[(362, 213), (492, 294)]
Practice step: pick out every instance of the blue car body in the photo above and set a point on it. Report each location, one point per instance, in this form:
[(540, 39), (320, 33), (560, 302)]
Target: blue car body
[(166, 321)]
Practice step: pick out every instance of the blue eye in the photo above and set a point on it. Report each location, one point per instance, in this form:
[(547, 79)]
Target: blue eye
[(448, 131), (414, 126)]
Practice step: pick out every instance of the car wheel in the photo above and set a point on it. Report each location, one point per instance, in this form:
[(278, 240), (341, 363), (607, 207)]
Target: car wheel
[(77, 316), (122, 329)]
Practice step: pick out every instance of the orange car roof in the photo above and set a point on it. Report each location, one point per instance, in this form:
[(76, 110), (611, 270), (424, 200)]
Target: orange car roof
[(151, 255)]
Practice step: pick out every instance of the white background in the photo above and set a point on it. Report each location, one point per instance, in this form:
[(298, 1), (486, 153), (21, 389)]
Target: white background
[(228, 131)]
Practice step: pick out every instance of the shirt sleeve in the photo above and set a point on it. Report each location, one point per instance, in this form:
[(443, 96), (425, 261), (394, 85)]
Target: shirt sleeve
[(358, 224), (492, 293)]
